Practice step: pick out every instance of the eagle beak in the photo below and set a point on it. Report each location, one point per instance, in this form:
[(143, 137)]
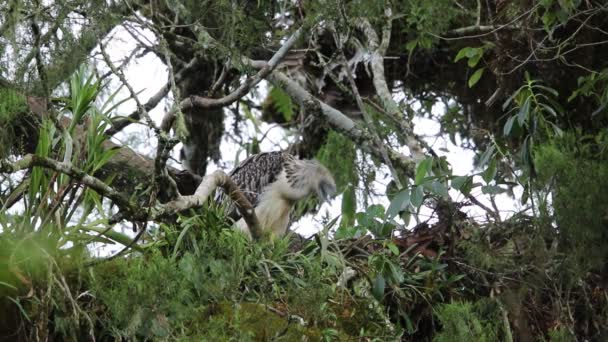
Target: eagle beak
[(326, 191)]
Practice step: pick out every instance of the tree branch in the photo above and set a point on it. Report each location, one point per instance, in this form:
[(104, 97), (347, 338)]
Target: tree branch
[(141, 110), (204, 190), (246, 86), (378, 48), (338, 120), (368, 120), (133, 212), (31, 160)]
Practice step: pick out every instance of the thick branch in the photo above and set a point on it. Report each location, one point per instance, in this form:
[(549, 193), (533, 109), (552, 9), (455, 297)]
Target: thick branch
[(31, 160), (248, 84), (204, 190), (378, 48), (338, 120), (133, 212)]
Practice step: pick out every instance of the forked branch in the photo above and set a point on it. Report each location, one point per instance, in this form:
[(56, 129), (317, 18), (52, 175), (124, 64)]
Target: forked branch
[(205, 189)]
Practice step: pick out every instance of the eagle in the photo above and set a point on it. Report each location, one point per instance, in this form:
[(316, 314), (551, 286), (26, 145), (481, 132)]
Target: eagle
[(274, 182)]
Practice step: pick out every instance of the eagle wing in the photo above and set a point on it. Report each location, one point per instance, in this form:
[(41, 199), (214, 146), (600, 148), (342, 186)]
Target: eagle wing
[(253, 175)]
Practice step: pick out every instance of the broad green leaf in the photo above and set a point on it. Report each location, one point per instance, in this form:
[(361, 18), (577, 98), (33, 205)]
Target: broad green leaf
[(458, 182), (422, 170), (492, 189), (378, 288), (439, 189), (475, 77), (399, 203), (547, 89), (395, 275), (485, 157), (393, 248), (548, 109), (524, 111), (473, 61), (462, 53), (411, 45), (468, 186), (490, 172), (417, 196), (375, 210), (509, 125)]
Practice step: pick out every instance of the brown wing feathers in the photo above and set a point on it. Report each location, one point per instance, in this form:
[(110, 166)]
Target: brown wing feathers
[(254, 174)]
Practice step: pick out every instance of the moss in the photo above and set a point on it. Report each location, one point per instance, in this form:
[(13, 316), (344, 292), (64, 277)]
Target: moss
[(12, 106), (465, 321), (244, 321), (578, 174)]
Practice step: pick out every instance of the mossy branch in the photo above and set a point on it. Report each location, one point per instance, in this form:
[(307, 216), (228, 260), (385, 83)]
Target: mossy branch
[(133, 212)]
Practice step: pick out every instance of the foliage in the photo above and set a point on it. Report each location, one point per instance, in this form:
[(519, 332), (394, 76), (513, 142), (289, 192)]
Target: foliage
[(12, 106), (441, 259), (465, 321), (576, 173)]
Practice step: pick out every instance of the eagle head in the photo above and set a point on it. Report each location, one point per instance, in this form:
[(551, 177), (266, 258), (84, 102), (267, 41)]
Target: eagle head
[(326, 186), (308, 177)]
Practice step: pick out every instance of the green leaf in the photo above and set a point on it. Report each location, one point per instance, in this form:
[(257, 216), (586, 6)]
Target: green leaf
[(282, 102), (547, 89), (462, 53), (455, 277), (548, 109), (525, 196), (524, 111), (23, 311), (411, 45), (393, 248), (473, 61), (422, 170), (439, 189), (492, 189), (399, 203), (469, 53), (121, 238), (485, 157), (375, 210), (509, 125), (458, 182), (379, 285), (349, 206), (490, 172), (475, 77), (14, 288), (417, 196), (468, 186)]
